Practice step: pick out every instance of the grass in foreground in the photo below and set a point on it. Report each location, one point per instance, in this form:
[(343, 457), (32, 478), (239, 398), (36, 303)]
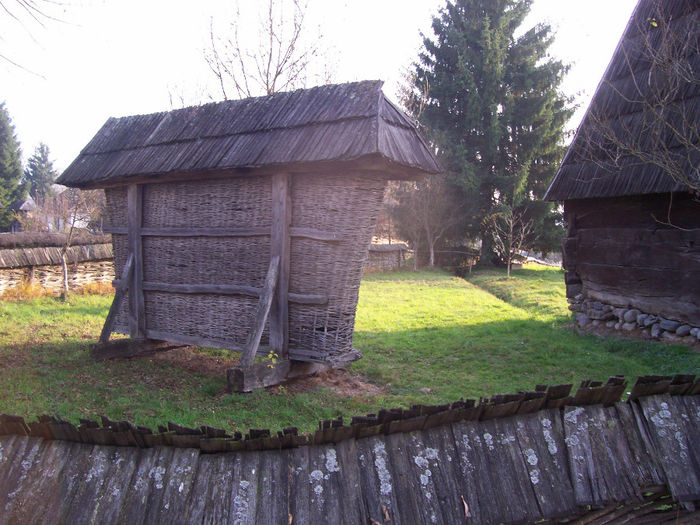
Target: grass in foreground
[(425, 330)]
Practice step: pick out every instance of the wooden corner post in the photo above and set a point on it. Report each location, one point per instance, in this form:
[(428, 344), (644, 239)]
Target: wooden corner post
[(280, 246), (137, 313)]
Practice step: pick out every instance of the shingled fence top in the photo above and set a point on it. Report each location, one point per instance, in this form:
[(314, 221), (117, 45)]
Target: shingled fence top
[(521, 458), (246, 224)]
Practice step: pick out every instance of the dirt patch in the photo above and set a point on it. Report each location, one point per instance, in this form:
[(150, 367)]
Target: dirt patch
[(340, 382), (14, 356), (190, 359)]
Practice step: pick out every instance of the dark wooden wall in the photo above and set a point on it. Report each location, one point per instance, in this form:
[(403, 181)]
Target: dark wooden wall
[(641, 252)]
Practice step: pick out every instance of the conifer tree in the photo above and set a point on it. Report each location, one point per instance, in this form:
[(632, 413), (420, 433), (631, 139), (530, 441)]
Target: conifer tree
[(11, 187), (490, 103), (40, 173)]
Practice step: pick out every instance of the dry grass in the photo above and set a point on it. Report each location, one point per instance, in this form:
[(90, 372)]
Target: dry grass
[(23, 291), (26, 290), (94, 288)]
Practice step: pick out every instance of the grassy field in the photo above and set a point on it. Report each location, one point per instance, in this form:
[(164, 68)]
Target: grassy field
[(427, 337)]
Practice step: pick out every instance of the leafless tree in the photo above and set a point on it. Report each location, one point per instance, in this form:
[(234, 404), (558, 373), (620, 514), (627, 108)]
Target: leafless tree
[(64, 212), (29, 15), (279, 60), (424, 212), (658, 124), (511, 230)]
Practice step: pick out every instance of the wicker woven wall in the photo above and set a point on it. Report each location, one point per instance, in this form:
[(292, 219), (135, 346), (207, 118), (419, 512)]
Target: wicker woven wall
[(344, 204)]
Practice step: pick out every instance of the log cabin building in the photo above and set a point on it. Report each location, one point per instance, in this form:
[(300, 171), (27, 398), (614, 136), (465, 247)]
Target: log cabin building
[(245, 224), (632, 249)]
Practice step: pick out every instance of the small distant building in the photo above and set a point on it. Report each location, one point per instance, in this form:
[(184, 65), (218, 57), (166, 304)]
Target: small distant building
[(22, 208), (632, 249), (386, 257)]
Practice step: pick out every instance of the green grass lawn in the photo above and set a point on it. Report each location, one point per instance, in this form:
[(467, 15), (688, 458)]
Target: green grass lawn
[(418, 331)]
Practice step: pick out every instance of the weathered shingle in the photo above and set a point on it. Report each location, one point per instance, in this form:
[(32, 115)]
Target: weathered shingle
[(327, 123), (587, 171)]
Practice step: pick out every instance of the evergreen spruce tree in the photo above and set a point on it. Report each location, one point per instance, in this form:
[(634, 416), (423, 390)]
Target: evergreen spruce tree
[(11, 187), (490, 103), (40, 173)]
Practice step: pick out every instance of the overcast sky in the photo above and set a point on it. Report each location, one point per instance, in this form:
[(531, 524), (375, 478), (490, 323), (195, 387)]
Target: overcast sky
[(123, 57)]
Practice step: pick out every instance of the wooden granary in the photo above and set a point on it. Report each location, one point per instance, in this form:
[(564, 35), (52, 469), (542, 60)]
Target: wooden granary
[(245, 224), (629, 180)]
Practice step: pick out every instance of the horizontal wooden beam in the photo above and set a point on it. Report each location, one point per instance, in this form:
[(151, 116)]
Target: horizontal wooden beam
[(224, 289), (260, 231), (121, 348), (313, 233), (195, 340), (220, 289)]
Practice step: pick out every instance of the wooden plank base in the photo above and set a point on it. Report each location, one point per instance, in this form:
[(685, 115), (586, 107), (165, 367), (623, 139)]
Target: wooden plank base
[(257, 375), (262, 375), (129, 348)]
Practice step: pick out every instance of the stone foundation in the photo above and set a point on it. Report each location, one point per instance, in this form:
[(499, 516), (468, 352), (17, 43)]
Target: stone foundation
[(595, 313)]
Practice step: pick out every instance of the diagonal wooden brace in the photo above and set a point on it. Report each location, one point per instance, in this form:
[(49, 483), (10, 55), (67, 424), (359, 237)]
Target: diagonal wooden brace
[(261, 314), (118, 298)]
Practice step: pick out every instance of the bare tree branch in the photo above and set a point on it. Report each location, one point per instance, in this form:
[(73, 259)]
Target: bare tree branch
[(280, 59), (659, 125)]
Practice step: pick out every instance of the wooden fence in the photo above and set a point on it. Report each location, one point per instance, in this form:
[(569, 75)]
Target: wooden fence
[(516, 458)]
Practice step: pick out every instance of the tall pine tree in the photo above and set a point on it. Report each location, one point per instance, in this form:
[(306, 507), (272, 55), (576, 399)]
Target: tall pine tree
[(11, 187), (40, 173), (490, 103)]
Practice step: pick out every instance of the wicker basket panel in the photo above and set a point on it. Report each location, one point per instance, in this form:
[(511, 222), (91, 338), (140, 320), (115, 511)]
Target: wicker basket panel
[(235, 202), (120, 245), (335, 202), (347, 205), (206, 260), (115, 199), (207, 316), (320, 330)]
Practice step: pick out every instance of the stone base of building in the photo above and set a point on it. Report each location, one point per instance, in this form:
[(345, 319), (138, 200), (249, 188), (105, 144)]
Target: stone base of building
[(588, 313)]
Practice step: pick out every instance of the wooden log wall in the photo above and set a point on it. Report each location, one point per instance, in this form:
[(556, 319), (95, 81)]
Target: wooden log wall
[(636, 252), (512, 459)]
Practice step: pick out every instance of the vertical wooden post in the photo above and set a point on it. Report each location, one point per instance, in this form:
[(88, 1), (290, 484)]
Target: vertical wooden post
[(280, 247), (137, 314)]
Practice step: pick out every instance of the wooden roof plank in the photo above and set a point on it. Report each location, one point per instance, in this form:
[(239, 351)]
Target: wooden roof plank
[(477, 470), (354, 509), (377, 480), (543, 448), (644, 469), (666, 427), (177, 484)]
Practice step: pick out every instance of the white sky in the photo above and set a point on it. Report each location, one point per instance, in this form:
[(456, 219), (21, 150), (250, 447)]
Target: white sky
[(122, 57)]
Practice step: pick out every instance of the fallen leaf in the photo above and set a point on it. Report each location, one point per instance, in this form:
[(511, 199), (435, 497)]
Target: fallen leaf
[(466, 508), (387, 518)]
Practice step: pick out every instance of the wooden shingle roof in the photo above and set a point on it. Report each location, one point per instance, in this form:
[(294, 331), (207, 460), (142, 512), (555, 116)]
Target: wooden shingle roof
[(620, 108), (340, 122)]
